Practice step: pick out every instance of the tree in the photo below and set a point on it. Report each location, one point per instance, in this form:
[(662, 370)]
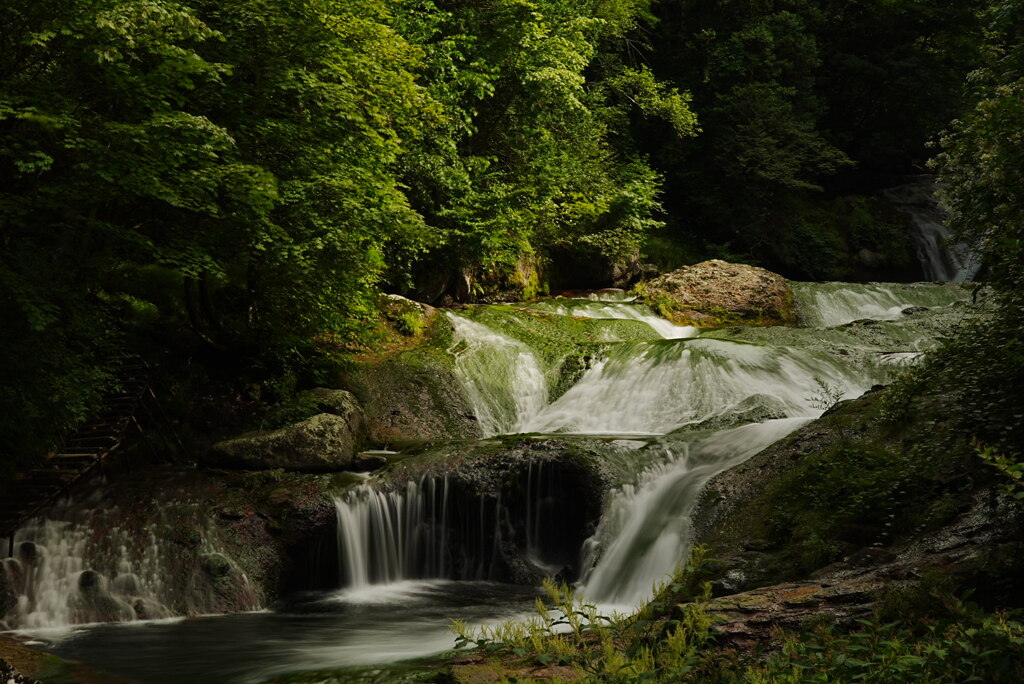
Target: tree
[(982, 166), (527, 161)]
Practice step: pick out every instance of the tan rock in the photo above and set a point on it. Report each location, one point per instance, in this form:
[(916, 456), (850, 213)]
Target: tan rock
[(715, 293)]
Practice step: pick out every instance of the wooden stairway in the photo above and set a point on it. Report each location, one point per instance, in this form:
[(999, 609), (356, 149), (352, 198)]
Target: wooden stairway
[(82, 453)]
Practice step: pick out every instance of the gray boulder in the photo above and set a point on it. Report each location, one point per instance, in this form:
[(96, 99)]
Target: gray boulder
[(324, 443), (340, 403)]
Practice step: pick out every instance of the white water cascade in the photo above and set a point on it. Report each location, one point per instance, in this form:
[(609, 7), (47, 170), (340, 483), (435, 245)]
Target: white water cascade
[(386, 537), (658, 417), (645, 530), (824, 305), (435, 529), (81, 566), (502, 378), (658, 387), (655, 388)]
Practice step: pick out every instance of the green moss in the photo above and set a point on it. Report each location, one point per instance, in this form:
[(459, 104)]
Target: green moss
[(566, 346), (411, 323)]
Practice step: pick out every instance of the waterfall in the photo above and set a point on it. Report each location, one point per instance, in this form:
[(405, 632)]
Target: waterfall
[(502, 378), (824, 305), (443, 528), (82, 565), (621, 310), (657, 417), (658, 387), (386, 537), (645, 531), (941, 259)]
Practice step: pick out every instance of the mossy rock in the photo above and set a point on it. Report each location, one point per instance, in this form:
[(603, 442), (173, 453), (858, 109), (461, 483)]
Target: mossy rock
[(565, 346), (412, 393), (323, 443)]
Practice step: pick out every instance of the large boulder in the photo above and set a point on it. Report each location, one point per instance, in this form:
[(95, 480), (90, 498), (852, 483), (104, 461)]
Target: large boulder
[(326, 442), (340, 403), (715, 293)]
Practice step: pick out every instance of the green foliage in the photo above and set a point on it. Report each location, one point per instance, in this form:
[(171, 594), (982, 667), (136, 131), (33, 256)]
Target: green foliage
[(984, 649), (602, 648), (982, 163), (411, 323), (530, 156), (668, 642), (826, 396), (897, 402), (1012, 467)]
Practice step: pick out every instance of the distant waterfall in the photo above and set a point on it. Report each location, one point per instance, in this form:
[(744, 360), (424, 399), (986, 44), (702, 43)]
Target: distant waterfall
[(824, 305), (940, 258), (502, 378)]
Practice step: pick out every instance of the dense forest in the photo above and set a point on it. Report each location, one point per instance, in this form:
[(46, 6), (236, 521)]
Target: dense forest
[(228, 190)]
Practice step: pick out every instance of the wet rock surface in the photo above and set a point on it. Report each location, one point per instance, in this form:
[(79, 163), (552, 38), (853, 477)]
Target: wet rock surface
[(980, 546), (9, 675), (177, 542), (716, 292)]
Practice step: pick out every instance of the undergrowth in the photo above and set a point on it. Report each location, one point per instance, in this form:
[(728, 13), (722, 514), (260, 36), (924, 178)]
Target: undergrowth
[(668, 641)]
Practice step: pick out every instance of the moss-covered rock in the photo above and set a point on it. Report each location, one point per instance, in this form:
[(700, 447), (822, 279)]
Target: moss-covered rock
[(412, 393), (566, 346), (326, 442), (715, 293), (409, 318)]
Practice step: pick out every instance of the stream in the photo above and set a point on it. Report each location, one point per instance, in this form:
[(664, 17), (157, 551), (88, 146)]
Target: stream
[(675, 406)]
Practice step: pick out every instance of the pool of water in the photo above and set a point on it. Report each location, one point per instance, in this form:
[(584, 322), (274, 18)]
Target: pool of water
[(344, 629)]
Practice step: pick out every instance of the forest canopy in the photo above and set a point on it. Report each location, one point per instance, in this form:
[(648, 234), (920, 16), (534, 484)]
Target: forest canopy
[(248, 176)]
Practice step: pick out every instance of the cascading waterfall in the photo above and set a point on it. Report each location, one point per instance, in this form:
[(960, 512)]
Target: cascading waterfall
[(387, 537), (824, 305), (940, 258), (645, 530), (432, 529), (502, 378), (654, 388), (663, 416), (80, 566), (658, 387), (618, 311)]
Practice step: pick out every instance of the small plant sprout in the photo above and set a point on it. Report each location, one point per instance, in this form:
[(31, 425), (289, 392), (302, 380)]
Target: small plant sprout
[(826, 395)]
